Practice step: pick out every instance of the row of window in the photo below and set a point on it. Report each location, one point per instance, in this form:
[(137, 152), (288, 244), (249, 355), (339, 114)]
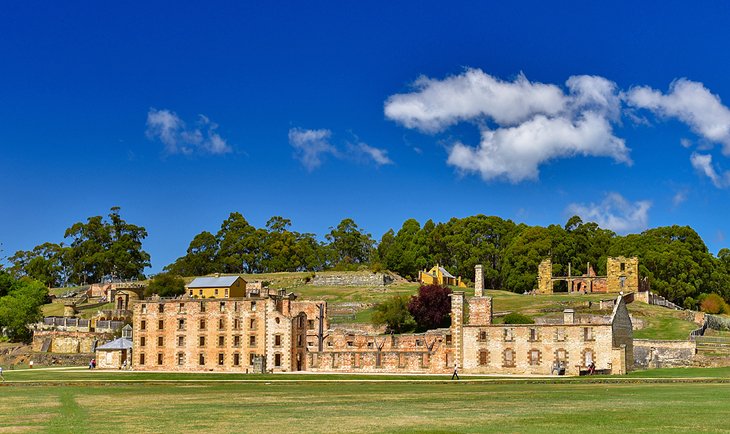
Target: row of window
[(508, 334), (534, 357), (181, 306), (236, 360), (202, 324), (202, 341)]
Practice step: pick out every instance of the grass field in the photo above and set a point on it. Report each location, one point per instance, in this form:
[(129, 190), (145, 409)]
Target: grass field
[(372, 404)]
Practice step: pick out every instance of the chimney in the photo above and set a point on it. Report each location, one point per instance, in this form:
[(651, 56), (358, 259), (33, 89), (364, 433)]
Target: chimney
[(478, 280), (568, 316)]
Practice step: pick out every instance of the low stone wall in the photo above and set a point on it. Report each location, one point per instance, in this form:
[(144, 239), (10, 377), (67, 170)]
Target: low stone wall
[(68, 342), (663, 354), (366, 279)]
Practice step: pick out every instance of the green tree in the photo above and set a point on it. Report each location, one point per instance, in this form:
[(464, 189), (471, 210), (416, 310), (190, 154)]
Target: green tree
[(44, 263), (21, 306), (105, 247), (166, 285), (241, 245), (201, 257), (349, 244), (393, 312)]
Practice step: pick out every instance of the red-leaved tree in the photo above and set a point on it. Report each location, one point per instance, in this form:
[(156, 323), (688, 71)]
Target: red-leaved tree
[(431, 307)]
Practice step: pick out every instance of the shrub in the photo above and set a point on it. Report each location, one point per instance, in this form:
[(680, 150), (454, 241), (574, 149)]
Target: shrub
[(518, 318), (166, 285), (713, 303), (394, 314)]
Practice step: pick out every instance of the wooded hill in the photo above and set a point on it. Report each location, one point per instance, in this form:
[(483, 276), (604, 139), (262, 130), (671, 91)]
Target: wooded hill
[(675, 260)]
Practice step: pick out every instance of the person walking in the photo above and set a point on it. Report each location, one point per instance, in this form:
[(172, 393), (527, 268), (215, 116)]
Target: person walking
[(456, 372), (1, 374)]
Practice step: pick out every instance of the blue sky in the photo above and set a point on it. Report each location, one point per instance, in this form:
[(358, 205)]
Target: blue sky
[(181, 113)]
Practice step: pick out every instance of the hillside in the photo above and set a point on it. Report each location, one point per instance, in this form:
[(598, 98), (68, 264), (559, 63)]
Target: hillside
[(356, 304)]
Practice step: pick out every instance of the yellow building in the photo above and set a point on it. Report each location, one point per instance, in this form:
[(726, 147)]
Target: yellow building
[(217, 287), (439, 276)]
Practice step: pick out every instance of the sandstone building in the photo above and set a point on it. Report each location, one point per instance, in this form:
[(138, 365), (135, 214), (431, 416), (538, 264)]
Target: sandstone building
[(478, 346), (273, 332), (262, 331), (622, 275)]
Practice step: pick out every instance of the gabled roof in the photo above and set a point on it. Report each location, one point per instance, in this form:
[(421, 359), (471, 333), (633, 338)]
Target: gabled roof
[(446, 273), (213, 282), (116, 344)]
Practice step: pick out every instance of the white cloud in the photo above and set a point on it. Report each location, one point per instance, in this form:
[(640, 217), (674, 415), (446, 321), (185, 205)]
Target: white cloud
[(370, 153), (310, 146), (690, 102), (167, 127), (614, 213), (703, 164), (438, 104), (535, 122), (515, 153)]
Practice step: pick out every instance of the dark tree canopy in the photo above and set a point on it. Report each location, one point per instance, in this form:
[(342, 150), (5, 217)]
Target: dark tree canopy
[(431, 308)]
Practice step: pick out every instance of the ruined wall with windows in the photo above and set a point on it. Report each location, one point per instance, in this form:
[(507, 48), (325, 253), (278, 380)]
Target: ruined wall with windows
[(622, 275), (355, 351), (198, 335), (221, 334)]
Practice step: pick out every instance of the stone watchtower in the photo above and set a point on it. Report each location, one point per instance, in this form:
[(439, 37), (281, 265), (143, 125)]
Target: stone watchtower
[(478, 280)]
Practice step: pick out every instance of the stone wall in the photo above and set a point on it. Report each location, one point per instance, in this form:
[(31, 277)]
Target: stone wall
[(532, 349), (354, 351), (68, 342), (544, 277), (480, 310), (365, 279), (621, 269), (663, 354), (622, 331)]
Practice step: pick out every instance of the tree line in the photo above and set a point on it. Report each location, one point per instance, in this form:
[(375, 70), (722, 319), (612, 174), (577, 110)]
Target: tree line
[(674, 259), (98, 248)]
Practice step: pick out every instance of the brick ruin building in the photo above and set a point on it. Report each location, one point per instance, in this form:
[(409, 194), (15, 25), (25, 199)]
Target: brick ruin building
[(263, 331), (272, 331), (622, 275)]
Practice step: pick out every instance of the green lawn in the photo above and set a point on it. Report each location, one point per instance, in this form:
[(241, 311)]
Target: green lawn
[(378, 406)]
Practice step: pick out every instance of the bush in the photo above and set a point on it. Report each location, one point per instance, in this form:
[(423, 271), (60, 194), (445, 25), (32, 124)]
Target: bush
[(518, 318), (713, 303), (166, 285), (394, 314)]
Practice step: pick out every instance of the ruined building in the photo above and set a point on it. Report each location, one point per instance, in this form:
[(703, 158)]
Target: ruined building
[(273, 332), (263, 331), (622, 275)]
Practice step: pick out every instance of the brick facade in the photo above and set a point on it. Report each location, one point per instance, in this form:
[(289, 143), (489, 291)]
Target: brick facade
[(230, 334), (218, 334)]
